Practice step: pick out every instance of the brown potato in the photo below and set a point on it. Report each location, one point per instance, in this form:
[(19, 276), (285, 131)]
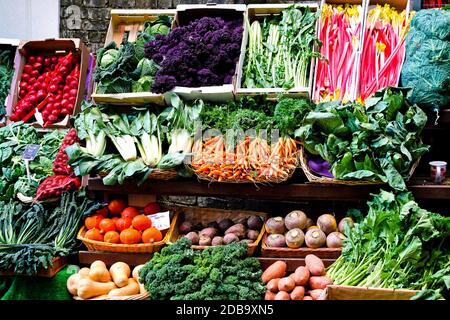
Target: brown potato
[(282, 295), (286, 284), (319, 282), (269, 295), (272, 285), (315, 265)]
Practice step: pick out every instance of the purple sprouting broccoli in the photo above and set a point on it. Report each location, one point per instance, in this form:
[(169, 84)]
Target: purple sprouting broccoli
[(203, 53)]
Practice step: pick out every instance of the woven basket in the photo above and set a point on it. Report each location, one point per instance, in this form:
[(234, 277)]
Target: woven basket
[(207, 215), (334, 292), (141, 296), (285, 252), (157, 174), (313, 177), (94, 245)]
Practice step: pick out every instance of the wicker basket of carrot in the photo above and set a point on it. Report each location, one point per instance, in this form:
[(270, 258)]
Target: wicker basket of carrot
[(251, 160)]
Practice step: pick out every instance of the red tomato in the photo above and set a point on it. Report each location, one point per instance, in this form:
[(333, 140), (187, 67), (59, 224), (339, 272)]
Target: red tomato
[(116, 206), (152, 208)]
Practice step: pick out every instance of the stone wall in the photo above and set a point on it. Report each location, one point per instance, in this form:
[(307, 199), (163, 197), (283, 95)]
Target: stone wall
[(89, 19)]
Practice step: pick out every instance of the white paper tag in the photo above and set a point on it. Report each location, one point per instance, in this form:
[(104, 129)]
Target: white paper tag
[(161, 220)]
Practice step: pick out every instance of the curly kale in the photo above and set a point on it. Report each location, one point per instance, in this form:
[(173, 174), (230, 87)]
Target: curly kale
[(216, 273)]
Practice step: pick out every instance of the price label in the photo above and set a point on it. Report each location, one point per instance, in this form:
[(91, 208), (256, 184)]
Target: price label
[(31, 151), (161, 220)]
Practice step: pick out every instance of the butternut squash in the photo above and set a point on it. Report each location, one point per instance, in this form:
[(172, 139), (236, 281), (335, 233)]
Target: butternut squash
[(88, 288), (120, 272), (130, 289), (84, 272), (72, 284), (98, 272), (136, 272)]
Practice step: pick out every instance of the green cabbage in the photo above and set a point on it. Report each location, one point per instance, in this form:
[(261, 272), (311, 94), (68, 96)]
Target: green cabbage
[(143, 84), (109, 57)]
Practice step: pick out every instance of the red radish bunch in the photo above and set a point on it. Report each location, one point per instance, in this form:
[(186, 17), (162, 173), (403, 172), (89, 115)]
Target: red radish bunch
[(60, 165), (49, 84), (54, 186)]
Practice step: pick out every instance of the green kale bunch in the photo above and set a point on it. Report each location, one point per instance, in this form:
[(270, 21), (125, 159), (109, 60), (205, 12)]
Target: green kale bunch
[(216, 273)]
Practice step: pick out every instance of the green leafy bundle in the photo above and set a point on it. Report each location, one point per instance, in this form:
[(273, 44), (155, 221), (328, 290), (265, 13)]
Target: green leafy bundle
[(427, 59), (6, 74), (216, 273), (257, 113), (31, 236), (13, 140), (280, 51), (397, 245), (378, 141), (125, 68)]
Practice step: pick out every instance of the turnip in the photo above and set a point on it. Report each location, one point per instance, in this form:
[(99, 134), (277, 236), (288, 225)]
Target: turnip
[(295, 219), (327, 223), (275, 225), (295, 238), (315, 238), (276, 240), (335, 240)]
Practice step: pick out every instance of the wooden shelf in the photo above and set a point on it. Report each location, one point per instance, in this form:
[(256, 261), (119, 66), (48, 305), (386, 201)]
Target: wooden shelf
[(287, 191), (134, 259)]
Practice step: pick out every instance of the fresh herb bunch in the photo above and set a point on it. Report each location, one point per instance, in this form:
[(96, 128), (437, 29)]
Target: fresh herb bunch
[(31, 236), (397, 245), (6, 74), (14, 139), (377, 141), (279, 52), (217, 273)]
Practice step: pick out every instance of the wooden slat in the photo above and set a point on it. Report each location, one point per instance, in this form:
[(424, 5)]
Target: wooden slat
[(288, 191)]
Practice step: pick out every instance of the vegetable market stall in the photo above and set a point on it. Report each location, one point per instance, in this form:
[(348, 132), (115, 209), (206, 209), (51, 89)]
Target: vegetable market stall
[(104, 179)]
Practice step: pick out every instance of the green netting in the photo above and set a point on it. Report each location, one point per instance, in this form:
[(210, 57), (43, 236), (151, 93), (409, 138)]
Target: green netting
[(427, 65)]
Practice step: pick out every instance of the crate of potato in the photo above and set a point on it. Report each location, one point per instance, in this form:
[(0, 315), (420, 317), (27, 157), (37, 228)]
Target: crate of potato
[(305, 283), (98, 282), (210, 227), (122, 228), (296, 236)]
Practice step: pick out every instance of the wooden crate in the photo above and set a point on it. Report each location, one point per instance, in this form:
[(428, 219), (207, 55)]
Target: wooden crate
[(302, 252), (50, 47), (259, 12), (355, 72), (129, 22), (58, 264), (207, 215), (187, 13), (334, 292)]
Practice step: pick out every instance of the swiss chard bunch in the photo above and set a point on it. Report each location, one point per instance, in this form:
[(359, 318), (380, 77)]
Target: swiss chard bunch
[(202, 53), (379, 141)]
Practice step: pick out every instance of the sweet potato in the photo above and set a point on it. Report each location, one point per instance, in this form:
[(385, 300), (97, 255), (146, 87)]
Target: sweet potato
[(282, 295), (314, 265), (272, 285), (301, 276), (298, 293), (307, 298), (269, 295), (286, 284), (238, 229), (319, 282), (275, 270), (315, 294)]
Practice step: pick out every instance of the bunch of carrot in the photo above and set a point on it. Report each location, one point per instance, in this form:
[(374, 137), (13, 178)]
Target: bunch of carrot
[(340, 33), (252, 159), (383, 50)]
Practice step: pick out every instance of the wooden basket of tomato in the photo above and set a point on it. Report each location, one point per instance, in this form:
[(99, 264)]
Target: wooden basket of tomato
[(122, 228)]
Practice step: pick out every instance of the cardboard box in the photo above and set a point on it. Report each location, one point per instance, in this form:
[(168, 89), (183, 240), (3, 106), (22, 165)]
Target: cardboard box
[(355, 72), (45, 48), (129, 23), (188, 13), (259, 12), (9, 44)]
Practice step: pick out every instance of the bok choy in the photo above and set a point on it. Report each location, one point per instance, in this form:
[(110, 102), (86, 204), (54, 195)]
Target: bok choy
[(119, 131), (147, 135), (90, 126)]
